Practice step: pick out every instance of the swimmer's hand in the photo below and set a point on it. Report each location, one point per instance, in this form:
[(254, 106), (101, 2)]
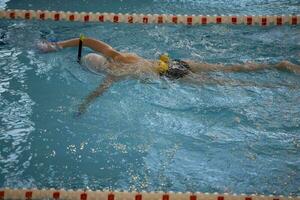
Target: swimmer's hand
[(45, 46), (82, 108)]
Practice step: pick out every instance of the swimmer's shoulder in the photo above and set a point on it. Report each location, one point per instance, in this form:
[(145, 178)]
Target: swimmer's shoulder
[(128, 58)]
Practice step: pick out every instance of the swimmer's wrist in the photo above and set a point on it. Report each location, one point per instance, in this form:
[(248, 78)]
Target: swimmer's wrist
[(46, 46), (54, 44), (57, 46)]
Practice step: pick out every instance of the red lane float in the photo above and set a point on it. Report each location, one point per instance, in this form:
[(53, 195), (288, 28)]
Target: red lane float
[(13, 194)]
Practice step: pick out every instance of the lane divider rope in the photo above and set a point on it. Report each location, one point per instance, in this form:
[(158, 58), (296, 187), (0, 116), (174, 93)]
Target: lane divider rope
[(266, 20), (7, 193), (262, 20)]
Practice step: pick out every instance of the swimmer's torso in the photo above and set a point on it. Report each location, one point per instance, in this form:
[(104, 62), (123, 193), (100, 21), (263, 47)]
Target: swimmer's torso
[(133, 65), (100, 64)]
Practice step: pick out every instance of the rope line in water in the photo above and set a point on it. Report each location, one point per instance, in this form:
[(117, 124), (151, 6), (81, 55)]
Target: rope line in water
[(7, 193), (262, 20)]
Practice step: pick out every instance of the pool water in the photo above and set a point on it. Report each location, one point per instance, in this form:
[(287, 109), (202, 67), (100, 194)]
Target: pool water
[(153, 135)]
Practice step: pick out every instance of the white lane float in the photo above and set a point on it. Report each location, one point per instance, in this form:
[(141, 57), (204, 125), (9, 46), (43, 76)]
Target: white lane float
[(190, 20)]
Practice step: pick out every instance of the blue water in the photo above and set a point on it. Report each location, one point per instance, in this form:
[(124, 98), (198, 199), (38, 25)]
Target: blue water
[(158, 135)]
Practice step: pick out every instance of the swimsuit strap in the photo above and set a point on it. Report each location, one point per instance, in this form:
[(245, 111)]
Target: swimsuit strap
[(81, 38)]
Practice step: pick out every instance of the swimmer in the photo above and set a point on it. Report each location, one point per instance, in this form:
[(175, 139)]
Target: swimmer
[(117, 65)]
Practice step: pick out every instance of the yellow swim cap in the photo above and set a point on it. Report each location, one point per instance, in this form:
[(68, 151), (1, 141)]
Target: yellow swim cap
[(165, 58), (162, 67)]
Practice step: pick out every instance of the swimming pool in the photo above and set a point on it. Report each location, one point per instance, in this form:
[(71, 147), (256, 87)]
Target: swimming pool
[(160, 135)]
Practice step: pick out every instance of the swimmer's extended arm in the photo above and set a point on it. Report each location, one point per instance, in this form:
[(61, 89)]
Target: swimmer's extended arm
[(109, 80), (96, 45)]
